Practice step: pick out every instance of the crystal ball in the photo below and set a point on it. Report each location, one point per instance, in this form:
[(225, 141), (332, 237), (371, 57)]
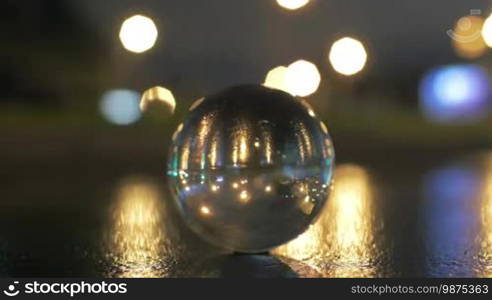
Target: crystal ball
[(250, 167)]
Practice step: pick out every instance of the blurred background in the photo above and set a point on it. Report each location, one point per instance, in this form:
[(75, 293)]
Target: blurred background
[(405, 88)]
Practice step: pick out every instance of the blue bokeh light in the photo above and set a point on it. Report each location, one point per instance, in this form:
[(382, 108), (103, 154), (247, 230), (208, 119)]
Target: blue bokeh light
[(120, 106), (455, 93)]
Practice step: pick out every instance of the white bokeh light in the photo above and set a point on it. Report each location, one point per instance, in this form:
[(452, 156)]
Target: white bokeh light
[(348, 56), (292, 4), (275, 79), (138, 34), (487, 31), (302, 78), (120, 107)]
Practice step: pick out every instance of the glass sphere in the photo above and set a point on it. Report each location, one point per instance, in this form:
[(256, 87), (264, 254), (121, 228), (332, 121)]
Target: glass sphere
[(250, 168)]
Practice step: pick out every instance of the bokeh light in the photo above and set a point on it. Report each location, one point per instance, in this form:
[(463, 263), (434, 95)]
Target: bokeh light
[(158, 94), (348, 56), (138, 33), (487, 31), (120, 107), (275, 79), (466, 37), (302, 78), (455, 93), (292, 4)]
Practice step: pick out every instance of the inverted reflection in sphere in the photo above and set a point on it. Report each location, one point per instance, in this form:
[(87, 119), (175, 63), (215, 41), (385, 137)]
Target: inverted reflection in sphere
[(250, 168)]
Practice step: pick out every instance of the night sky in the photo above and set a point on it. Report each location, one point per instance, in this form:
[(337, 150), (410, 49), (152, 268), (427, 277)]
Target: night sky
[(68, 49), (207, 41)]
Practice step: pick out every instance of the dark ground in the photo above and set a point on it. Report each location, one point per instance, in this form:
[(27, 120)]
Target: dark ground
[(422, 211)]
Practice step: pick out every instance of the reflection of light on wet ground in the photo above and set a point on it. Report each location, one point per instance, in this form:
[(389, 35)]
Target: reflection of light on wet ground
[(352, 204), (486, 222), (343, 236), (138, 235), (458, 219), (487, 202), (451, 223)]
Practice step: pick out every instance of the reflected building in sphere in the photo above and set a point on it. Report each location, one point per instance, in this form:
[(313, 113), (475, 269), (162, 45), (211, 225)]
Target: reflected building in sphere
[(250, 167)]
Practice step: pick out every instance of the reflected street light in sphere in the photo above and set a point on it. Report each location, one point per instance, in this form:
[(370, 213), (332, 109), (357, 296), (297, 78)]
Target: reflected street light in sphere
[(138, 34)]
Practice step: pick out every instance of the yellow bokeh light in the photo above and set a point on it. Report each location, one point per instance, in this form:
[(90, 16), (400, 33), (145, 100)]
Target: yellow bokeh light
[(466, 38), (487, 31), (348, 56), (244, 196), (302, 78), (205, 210), (292, 4), (275, 79), (138, 34), (158, 94), (214, 188)]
